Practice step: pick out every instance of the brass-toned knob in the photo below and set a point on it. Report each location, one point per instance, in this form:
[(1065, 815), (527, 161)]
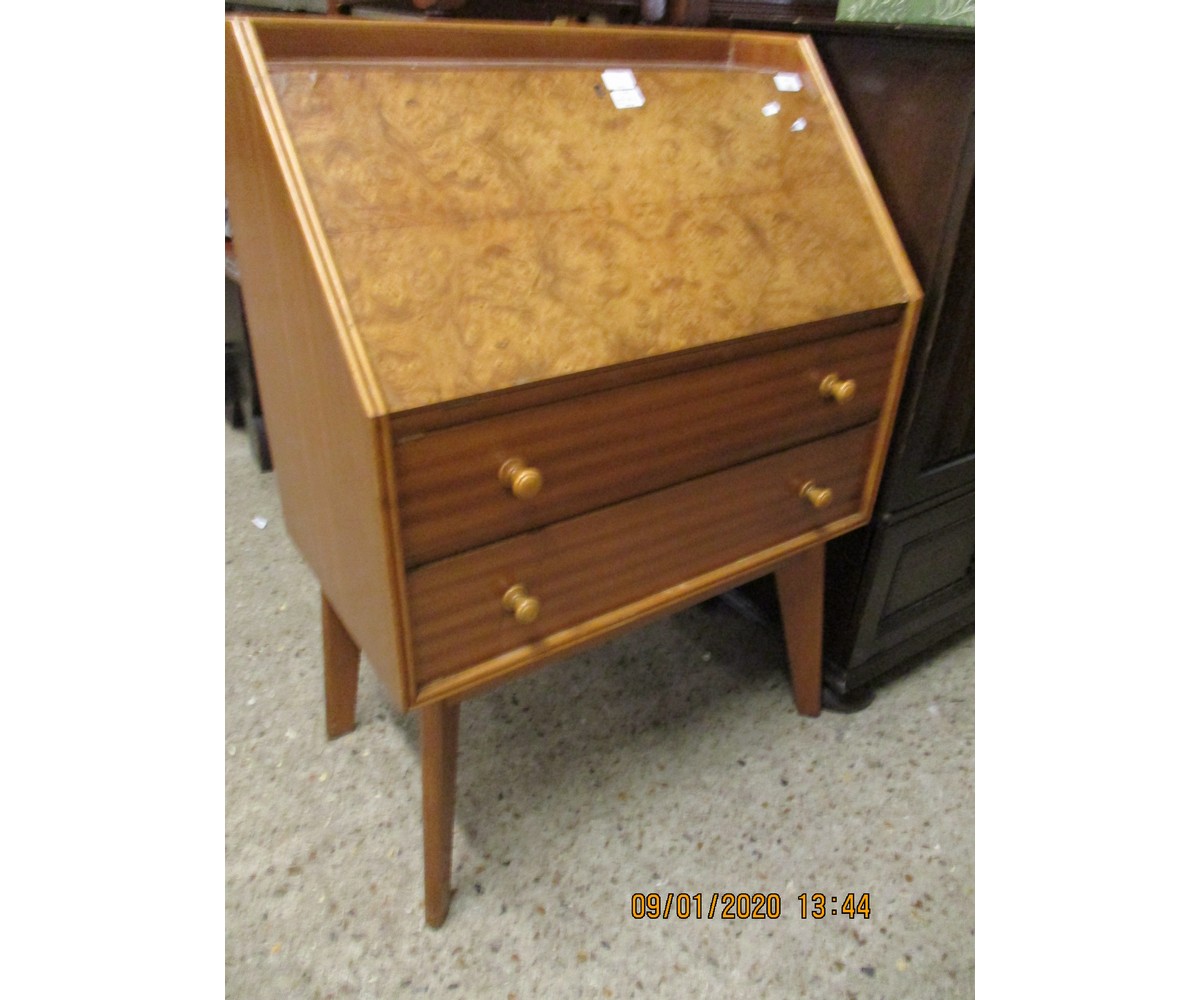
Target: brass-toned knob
[(523, 480), (840, 390), (818, 496), (523, 607)]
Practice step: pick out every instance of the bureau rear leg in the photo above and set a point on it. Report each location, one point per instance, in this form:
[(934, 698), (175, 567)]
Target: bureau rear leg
[(341, 672), (439, 762), (800, 583)]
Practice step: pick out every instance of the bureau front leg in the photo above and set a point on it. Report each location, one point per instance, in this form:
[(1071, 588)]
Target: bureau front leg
[(439, 761), (341, 672), (800, 583)]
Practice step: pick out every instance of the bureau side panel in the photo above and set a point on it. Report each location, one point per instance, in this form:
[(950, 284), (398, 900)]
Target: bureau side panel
[(330, 446)]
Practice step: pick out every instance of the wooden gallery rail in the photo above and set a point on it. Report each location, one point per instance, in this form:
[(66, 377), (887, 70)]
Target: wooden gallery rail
[(558, 330)]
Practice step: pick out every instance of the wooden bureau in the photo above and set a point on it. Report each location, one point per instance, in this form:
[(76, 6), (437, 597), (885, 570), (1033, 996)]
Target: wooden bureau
[(534, 370)]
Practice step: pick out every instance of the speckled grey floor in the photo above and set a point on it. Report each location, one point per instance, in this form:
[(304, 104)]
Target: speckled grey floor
[(669, 761)]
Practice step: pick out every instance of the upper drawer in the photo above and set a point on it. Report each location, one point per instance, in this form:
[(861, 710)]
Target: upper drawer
[(608, 446), (629, 552)]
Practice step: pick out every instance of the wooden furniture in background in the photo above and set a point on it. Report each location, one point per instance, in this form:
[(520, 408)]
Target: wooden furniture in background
[(906, 581), (543, 357), (243, 408)]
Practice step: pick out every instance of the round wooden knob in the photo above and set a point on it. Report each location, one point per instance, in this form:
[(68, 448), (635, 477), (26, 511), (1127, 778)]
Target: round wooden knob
[(524, 481), (521, 605), (818, 496), (840, 390)]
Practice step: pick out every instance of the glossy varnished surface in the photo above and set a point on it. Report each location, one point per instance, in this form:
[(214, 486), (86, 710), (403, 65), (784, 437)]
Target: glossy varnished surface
[(451, 497), (310, 374), (498, 225), (464, 251), (595, 563)]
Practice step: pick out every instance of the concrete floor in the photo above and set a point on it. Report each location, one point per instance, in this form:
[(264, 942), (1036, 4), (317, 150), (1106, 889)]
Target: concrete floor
[(668, 761)]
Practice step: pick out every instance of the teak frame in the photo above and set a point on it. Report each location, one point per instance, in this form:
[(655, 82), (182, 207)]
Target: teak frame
[(334, 453)]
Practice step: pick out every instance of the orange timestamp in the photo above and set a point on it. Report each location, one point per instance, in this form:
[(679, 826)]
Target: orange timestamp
[(818, 905), (721, 906)]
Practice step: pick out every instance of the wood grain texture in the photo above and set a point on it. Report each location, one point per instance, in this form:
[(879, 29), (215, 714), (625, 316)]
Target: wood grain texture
[(531, 235), (584, 567), (341, 659), (451, 497), (439, 767), (330, 454), (458, 251), (496, 226), (800, 583), (441, 416), (288, 39)]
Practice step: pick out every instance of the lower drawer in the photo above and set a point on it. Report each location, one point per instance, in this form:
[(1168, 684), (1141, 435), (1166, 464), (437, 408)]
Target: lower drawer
[(597, 562)]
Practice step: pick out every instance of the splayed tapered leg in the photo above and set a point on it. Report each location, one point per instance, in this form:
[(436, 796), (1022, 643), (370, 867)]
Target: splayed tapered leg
[(439, 760), (800, 583), (341, 672)]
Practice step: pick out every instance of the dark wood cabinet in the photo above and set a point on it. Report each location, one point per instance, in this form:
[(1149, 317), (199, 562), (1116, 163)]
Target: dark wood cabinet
[(906, 581)]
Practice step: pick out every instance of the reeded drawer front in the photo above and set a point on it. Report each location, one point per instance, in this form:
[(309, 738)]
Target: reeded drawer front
[(570, 457), (579, 568)]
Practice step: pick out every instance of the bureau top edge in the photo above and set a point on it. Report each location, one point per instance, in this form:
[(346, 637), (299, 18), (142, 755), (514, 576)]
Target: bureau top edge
[(284, 39)]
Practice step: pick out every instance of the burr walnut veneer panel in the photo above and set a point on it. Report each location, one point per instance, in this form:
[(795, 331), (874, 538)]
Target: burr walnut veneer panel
[(538, 205)]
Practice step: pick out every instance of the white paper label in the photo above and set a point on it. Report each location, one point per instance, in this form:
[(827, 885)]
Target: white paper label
[(787, 81), (619, 79), (628, 98)]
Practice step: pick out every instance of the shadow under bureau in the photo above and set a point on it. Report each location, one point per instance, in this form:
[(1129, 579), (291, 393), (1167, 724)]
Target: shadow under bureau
[(534, 370)]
